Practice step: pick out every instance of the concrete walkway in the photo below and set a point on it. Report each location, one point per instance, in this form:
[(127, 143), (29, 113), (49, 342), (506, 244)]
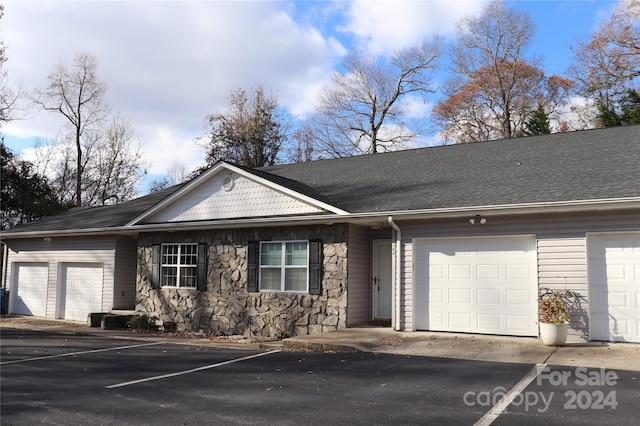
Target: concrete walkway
[(613, 356), (621, 356)]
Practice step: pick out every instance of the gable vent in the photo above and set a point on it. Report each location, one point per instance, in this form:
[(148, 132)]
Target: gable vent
[(227, 183)]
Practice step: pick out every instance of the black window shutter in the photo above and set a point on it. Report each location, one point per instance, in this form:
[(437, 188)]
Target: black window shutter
[(253, 258), (315, 267), (201, 275), (155, 266)]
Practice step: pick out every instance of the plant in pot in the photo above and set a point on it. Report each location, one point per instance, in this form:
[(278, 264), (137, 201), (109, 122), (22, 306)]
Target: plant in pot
[(553, 314)]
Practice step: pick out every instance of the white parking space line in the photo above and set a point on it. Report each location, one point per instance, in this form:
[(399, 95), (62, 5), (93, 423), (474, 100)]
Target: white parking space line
[(497, 409), (39, 358), (193, 370)]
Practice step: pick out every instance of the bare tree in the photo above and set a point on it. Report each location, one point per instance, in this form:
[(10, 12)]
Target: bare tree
[(363, 111), (607, 65), (10, 95), (176, 174), (490, 76), (302, 148), (115, 164), (77, 94), (251, 132)]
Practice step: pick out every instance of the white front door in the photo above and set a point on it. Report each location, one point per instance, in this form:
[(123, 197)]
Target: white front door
[(29, 291), (382, 278), (614, 286), (476, 285), (81, 291)]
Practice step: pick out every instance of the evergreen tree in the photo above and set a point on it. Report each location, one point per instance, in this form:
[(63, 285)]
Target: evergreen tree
[(630, 107), (538, 123), (26, 196), (628, 111)]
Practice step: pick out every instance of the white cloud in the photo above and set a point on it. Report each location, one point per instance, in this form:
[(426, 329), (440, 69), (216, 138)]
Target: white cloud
[(168, 64), (384, 26)]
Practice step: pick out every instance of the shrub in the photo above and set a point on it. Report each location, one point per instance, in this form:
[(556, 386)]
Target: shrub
[(143, 323)]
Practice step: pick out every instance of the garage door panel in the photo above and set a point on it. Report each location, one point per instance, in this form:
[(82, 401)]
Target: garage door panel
[(460, 295), (518, 272), (436, 319), (489, 322), (614, 286), (487, 285), (436, 272), (619, 300), (519, 297), (488, 297), (81, 290), (459, 272), (30, 289), (460, 320), (488, 272), (436, 295)]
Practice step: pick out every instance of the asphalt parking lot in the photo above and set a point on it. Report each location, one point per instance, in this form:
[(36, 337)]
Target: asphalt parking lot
[(69, 379)]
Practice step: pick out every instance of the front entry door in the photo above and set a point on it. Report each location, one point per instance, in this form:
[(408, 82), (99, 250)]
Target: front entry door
[(382, 290)]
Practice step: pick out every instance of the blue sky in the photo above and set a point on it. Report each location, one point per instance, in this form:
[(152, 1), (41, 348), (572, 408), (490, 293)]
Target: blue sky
[(169, 64)]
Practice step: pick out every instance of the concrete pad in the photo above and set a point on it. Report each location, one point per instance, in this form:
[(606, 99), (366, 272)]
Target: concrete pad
[(612, 356), (527, 350), (474, 347)]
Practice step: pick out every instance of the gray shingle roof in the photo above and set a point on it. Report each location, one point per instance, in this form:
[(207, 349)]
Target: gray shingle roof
[(97, 217), (576, 166), (583, 165)]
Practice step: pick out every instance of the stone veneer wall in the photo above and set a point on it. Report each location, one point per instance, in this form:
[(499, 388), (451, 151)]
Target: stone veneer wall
[(226, 307)]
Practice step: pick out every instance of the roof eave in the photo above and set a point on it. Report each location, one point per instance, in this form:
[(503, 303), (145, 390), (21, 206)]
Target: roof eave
[(570, 206), (367, 218)]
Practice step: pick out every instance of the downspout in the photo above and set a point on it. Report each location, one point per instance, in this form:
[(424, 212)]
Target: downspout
[(397, 262), (5, 259)]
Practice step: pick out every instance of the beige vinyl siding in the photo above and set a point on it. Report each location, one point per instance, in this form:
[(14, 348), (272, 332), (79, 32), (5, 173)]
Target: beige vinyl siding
[(562, 265), (407, 300), (56, 253), (124, 282), (358, 275)]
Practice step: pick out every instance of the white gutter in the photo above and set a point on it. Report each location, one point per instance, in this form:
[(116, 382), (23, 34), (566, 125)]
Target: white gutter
[(397, 280)]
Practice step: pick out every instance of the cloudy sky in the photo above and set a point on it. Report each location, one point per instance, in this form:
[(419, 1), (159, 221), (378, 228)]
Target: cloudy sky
[(170, 63)]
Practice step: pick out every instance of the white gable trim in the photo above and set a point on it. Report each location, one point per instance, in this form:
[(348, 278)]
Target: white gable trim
[(225, 166)]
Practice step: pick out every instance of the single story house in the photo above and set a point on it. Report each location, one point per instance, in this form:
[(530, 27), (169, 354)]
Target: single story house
[(456, 238)]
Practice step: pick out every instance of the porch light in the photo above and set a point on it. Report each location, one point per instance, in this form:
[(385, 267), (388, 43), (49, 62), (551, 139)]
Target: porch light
[(478, 220)]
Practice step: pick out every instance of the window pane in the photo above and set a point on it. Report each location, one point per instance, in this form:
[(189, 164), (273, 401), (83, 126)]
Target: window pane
[(295, 279), (188, 277), (189, 254), (169, 254), (297, 253), (271, 254), (270, 279), (169, 276)]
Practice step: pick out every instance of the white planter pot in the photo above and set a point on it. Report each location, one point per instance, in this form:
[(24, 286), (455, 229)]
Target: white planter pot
[(553, 334)]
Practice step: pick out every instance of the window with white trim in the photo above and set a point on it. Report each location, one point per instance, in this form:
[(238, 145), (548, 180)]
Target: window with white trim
[(284, 266), (179, 265)]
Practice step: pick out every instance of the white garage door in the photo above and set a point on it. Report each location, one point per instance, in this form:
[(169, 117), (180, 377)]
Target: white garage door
[(81, 290), (30, 289), (477, 285), (614, 287)]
